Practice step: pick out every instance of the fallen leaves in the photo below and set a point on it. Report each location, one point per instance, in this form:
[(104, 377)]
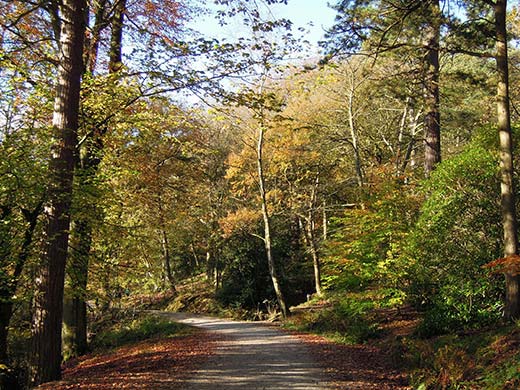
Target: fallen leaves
[(158, 364), (355, 366)]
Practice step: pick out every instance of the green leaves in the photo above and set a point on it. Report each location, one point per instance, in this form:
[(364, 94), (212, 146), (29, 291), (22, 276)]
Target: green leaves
[(457, 233)]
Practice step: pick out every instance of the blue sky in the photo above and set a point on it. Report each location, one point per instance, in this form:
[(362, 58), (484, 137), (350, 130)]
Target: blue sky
[(305, 12), (312, 15)]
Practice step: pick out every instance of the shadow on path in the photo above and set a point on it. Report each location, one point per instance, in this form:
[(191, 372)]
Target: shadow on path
[(252, 356)]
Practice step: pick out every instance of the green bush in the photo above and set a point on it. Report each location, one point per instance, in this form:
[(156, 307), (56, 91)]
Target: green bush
[(459, 231), (365, 247), (247, 277), (346, 321)]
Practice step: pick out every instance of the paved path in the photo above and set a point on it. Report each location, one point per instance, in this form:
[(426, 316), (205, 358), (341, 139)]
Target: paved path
[(252, 356)]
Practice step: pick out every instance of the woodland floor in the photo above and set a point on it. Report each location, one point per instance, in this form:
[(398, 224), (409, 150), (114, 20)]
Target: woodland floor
[(224, 354)]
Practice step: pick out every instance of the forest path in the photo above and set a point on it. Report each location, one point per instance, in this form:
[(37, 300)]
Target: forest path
[(252, 356)]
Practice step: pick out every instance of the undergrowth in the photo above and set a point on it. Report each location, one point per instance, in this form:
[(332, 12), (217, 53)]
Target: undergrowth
[(139, 329), (487, 359), (479, 359), (346, 319)]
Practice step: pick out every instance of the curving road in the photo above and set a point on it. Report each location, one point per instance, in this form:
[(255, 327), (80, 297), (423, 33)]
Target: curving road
[(252, 356)]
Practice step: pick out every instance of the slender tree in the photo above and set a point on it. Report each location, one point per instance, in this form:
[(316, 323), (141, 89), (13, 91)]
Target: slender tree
[(273, 270)]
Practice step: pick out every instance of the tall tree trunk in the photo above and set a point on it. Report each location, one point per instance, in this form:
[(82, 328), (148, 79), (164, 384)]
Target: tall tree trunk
[(6, 312), (315, 255), (75, 306), (432, 139), (100, 22), (48, 301), (313, 246), (116, 38), (353, 131), (325, 221), (509, 221), (210, 267), (267, 226), (167, 259), (402, 125)]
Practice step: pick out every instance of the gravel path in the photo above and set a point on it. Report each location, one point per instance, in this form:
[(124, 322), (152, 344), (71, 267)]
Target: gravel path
[(252, 356)]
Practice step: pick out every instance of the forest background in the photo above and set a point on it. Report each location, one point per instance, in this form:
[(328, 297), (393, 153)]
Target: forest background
[(370, 176)]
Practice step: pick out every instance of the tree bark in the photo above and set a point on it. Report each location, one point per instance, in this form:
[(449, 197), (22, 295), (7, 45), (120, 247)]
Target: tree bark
[(353, 130), (315, 256), (48, 301), (167, 259), (75, 306), (325, 221), (267, 226), (116, 38), (313, 246), (432, 120), (75, 316), (100, 22), (508, 208)]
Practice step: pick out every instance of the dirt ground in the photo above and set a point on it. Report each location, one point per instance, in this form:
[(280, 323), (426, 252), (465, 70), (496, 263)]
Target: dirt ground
[(226, 354)]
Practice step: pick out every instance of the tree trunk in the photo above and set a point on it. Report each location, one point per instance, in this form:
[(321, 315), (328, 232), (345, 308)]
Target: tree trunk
[(116, 39), (267, 226), (167, 259), (74, 332), (100, 22), (6, 312), (409, 157), (325, 221), (48, 301), (432, 144), (313, 246), (353, 133), (509, 221), (75, 306), (315, 255)]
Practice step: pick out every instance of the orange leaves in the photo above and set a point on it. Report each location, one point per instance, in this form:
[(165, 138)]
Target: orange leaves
[(242, 219), (160, 18), (506, 265)]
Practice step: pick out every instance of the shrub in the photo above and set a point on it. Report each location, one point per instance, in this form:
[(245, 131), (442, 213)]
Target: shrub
[(365, 247), (346, 321), (458, 231), (137, 330)]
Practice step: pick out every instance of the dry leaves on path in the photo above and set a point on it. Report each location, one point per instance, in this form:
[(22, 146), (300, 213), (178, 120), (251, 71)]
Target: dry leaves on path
[(353, 367), (158, 364)]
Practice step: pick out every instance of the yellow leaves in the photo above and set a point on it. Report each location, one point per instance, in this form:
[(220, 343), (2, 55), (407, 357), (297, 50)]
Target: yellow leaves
[(241, 220)]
